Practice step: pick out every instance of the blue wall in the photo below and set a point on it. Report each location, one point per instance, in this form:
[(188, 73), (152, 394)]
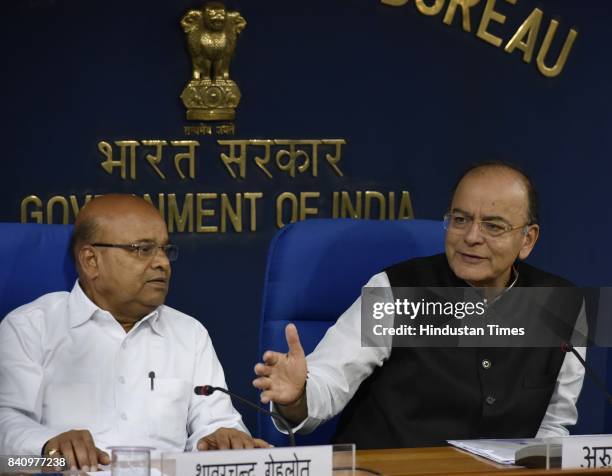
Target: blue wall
[(416, 100)]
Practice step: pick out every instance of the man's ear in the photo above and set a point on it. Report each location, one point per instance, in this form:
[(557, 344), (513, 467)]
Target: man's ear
[(88, 261), (529, 241)]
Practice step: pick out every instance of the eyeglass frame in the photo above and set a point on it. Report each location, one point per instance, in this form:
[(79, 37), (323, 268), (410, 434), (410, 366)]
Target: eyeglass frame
[(138, 247), (447, 219)]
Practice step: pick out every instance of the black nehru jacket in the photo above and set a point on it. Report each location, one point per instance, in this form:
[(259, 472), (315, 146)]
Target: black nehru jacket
[(425, 396)]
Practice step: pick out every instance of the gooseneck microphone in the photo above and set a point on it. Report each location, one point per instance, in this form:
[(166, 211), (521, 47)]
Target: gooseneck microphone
[(209, 390), (568, 347)]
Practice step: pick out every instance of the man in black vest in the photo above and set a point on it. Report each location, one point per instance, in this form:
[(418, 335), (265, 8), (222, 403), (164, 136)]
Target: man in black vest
[(406, 396)]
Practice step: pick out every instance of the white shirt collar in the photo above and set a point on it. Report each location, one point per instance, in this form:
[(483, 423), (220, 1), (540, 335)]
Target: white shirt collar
[(506, 289), (81, 309)]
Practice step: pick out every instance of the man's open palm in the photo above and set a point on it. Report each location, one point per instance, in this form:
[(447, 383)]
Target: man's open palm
[(281, 377)]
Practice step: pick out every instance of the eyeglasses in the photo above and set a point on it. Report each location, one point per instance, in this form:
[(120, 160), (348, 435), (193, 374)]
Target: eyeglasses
[(145, 249), (493, 229)]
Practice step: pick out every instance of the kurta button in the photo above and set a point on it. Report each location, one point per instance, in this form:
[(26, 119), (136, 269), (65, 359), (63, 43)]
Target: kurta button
[(490, 399), (121, 380), (123, 416), (486, 364)]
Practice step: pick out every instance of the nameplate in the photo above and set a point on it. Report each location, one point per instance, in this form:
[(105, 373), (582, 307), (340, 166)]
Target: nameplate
[(587, 452), (296, 461)]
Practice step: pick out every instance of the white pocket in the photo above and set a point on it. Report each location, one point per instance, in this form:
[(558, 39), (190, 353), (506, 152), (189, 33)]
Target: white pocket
[(168, 409)]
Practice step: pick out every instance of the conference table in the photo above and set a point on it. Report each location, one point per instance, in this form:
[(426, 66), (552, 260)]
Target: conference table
[(445, 461), (439, 461)]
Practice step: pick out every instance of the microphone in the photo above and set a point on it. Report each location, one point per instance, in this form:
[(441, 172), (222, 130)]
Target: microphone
[(568, 347), (209, 390)]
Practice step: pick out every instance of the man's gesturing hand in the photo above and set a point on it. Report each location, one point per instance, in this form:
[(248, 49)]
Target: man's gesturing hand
[(78, 447), (229, 438), (281, 377)]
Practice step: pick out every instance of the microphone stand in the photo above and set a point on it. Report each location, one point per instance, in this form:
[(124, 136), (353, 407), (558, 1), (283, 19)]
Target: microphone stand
[(209, 390), (568, 347)]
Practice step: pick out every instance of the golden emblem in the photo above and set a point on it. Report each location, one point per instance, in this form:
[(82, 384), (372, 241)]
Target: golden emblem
[(211, 40)]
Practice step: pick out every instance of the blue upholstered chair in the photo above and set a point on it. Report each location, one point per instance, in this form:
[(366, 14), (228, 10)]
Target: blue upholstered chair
[(34, 260), (316, 269)]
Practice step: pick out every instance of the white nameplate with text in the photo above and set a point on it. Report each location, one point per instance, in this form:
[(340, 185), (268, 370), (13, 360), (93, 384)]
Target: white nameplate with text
[(587, 452), (286, 461)]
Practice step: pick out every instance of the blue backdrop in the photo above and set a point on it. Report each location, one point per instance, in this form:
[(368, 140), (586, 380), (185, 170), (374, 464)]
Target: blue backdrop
[(415, 99)]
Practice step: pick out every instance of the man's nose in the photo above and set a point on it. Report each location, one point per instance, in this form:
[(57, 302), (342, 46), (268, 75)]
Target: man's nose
[(473, 234), (160, 259)]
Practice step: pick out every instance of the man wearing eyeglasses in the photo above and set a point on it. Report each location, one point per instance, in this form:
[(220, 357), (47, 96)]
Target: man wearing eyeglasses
[(109, 364), (407, 397)]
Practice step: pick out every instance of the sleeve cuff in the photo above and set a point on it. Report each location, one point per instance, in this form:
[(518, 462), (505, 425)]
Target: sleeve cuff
[(310, 423), (295, 429), (35, 442)]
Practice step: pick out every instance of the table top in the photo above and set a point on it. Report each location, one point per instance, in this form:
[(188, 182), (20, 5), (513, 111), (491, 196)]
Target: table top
[(445, 461)]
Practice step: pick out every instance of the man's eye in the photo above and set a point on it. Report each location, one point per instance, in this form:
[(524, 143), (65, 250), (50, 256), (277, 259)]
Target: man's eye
[(492, 227), (459, 220), (146, 247)]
